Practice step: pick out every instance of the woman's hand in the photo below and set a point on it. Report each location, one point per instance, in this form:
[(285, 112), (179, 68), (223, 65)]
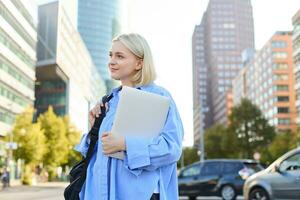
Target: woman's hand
[(112, 144), (95, 112)]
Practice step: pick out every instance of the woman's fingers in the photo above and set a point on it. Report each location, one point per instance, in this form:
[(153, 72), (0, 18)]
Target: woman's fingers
[(104, 134), (97, 109), (95, 112)]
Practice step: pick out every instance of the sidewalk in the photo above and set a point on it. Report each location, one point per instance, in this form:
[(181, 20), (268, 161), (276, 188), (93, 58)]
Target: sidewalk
[(17, 186), (41, 191)]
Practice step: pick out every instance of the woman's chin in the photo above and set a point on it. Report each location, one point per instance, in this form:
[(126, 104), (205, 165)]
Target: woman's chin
[(115, 77)]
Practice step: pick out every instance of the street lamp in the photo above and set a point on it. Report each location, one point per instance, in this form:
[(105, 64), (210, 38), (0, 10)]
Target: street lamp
[(201, 142), (10, 145)]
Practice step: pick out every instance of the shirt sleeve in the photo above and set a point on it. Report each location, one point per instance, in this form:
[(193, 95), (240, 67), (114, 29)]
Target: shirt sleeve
[(152, 153), (83, 145)]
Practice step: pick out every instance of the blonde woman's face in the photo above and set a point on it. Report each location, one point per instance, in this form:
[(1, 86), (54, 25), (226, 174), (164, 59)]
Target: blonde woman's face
[(123, 64)]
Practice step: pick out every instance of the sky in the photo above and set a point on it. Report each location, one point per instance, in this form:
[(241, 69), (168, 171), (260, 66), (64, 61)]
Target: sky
[(168, 26)]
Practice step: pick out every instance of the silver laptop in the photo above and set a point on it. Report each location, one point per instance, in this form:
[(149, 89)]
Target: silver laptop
[(139, 113)]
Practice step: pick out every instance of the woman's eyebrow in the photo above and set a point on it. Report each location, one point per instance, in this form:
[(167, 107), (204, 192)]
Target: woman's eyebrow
[(116, 53), (119, 52)]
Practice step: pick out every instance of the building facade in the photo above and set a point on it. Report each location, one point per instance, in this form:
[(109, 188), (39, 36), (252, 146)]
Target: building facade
[(269, 82), (66, 77), (226, 30), (296, 55), (18, 38)]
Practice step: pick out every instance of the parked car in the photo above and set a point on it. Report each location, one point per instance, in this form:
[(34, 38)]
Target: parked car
[(281, 180), (218, 177)]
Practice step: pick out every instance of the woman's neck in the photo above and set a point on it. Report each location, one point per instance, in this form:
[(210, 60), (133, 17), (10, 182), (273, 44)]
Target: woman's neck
[(127, 83)]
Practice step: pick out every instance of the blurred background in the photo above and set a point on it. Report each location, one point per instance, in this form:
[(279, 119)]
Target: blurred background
[(232, 66)]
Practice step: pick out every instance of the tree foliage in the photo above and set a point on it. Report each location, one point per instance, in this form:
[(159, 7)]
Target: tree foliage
[(220, 143), (189, 155), (282, 143), (73, 136), (57, 145), (250, 127), (29, 138)]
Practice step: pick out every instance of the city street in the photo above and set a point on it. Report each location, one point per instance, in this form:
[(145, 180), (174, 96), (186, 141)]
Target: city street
[(49, 191), (45, 191)]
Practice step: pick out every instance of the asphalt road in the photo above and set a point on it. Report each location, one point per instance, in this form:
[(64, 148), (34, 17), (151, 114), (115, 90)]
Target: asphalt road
[(51, 191)]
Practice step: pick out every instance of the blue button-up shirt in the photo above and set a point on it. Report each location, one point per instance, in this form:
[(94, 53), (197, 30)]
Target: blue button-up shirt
[(147, 161)]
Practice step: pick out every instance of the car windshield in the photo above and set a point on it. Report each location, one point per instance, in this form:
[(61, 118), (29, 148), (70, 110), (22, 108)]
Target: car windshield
[(256, 167)]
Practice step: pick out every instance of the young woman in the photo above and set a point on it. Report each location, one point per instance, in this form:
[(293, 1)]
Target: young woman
[(148, 170)]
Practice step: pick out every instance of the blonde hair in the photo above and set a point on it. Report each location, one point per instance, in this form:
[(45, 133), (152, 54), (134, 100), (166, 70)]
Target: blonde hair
[(140, 48)]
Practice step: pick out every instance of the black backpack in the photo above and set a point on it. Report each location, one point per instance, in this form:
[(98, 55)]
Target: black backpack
[(78, 172)]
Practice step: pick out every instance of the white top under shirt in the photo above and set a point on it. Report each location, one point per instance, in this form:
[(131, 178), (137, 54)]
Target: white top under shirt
[(156, 190)]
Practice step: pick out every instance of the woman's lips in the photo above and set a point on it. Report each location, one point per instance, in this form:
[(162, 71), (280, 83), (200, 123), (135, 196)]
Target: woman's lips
[(113, 69)]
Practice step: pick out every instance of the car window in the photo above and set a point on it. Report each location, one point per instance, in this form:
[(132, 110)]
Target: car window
[(192, 171), (231, 167), (292, 163), (254, 167), (211, 168)]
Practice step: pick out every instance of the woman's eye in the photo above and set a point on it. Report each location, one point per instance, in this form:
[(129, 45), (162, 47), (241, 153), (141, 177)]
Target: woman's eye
[(119, 56)]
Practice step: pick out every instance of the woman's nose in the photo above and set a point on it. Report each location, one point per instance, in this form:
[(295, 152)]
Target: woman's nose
[(111, 61)]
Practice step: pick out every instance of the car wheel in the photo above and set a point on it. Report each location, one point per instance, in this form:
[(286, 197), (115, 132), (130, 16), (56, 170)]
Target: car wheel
[(258, 194), (228, 192)]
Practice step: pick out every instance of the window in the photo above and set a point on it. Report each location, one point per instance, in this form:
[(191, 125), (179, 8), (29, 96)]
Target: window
[(255, 167), (284, 121), (228, 26), (192, 171), (291, 164), (281, 77), (282, 88), (279, 55), (280, 66), (231, 167), (282, 98), (283, 109), (210, 168), (279, 44)]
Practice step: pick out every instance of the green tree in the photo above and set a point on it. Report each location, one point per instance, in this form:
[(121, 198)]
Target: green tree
[(56, 141), (219, 142), (73, 136), (251, 128), (189, 155), (29, 137), (31, 143), (282, 143)]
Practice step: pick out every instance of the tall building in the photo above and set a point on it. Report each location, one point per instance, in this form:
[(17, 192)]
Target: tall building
[(98, 24), (226, 29), (200, 85), (66, 77), (268, 81), (296, 54), (18, 38)]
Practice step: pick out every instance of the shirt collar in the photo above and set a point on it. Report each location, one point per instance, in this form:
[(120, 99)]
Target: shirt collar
[(116, 90)]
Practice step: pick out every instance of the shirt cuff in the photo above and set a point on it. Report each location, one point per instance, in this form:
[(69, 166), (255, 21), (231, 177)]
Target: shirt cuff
[(136, 172), (137, 152), (83, 146)]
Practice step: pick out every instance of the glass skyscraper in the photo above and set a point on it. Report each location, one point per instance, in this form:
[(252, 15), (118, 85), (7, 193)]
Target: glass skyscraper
[(97, 25)]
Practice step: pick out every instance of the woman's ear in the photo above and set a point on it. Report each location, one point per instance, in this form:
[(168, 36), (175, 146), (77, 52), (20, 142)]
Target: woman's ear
[(139, 64)]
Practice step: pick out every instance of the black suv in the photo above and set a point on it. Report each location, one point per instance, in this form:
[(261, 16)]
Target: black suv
[(218, 177)]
